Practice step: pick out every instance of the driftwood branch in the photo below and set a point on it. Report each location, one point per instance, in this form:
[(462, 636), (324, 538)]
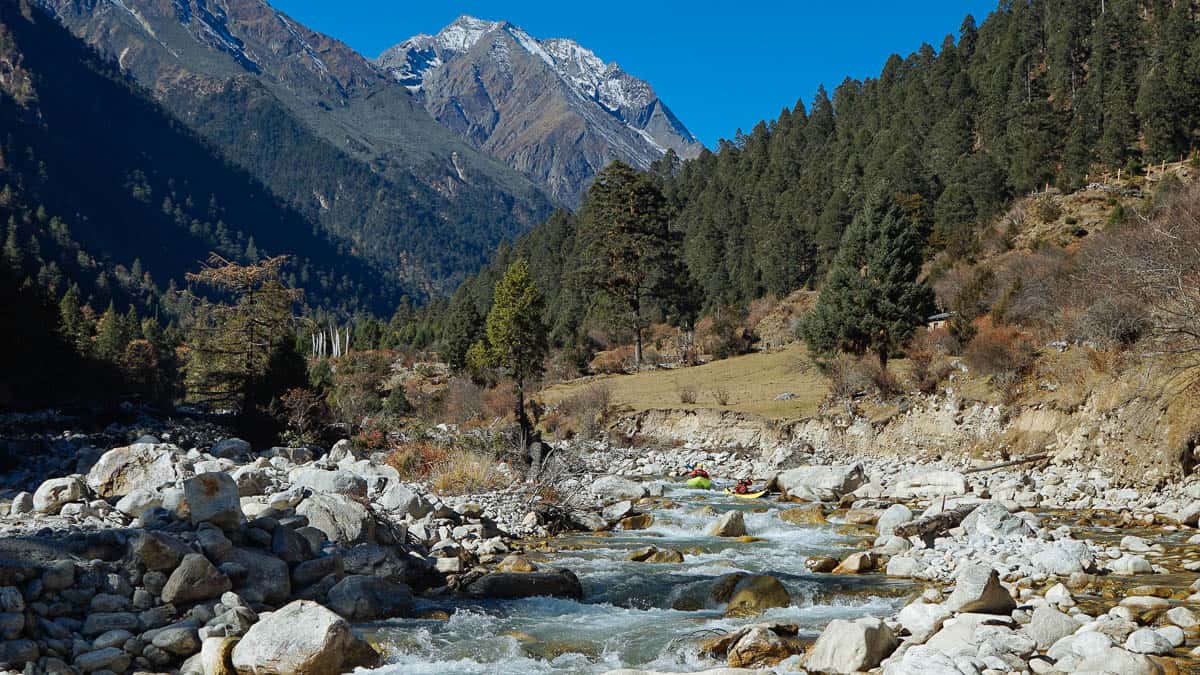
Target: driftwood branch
[(939, 522), (1001, 465)]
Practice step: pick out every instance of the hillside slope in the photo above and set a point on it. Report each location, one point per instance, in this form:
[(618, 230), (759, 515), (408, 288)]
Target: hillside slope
[(121, 198), (319, 125)]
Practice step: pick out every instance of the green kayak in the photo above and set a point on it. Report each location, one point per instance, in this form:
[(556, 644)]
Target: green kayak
[(699, 482)]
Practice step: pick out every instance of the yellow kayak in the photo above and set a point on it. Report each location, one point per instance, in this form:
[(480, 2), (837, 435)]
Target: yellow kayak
[(748, 495)]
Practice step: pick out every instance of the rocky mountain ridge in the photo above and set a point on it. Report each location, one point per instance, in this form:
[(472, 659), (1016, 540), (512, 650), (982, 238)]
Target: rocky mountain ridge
[(320, 125), (551, 108)]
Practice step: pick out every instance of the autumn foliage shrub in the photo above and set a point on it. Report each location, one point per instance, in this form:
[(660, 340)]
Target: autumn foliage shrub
[(1001, 352), (415, 461), (929, 358)]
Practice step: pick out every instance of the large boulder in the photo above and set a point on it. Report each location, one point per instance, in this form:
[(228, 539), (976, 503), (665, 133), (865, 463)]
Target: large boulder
[(403, 500), (1064, 558), (1048, 625), (53, 494), (755, 594), (926, 484), (141, 465), (731, 524), (990, 520), (361, 598), (896, 514), (328, 482), (302, 638), (505, 585), (616, 488), (158, 551), (267, 579), (139, 501), (213, 498), (705, 593), (763, 646), (230, 448), (821, 483), (342, 519), (195, 579), (922, 620), (977, 589), (851, 646)]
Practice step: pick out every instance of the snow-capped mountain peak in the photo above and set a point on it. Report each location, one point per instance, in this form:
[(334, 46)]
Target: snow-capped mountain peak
[(491, 80)]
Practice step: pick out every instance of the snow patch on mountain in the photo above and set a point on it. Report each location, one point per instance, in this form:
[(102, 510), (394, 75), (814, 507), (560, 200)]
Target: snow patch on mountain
[(606, 84)]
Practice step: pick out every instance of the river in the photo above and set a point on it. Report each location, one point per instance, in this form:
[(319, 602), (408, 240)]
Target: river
[(625, 619)]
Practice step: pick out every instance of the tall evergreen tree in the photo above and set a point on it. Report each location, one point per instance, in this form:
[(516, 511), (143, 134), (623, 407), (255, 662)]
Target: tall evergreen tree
[(516, 335), (872, 300), (235, 347), (628, 251)]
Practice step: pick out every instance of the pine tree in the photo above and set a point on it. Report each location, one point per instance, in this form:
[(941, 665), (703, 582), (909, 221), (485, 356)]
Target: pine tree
[(14, 257), (110, 336), (516, 335), (234, 347), (463, 328), (872, 300), (629, 254), (75, 328)]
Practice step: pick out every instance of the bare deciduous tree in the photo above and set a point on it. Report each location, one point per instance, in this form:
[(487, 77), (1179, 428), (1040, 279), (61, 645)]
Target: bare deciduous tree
[(1156, 264)]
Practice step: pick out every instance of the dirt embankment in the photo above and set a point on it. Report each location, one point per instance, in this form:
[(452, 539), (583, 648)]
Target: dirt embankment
[(1138, 425)]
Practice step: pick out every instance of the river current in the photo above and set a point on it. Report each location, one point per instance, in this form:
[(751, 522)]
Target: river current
[(625, 619)]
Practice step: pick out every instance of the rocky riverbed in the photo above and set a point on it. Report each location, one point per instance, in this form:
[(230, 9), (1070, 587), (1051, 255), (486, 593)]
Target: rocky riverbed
[(216, 557)]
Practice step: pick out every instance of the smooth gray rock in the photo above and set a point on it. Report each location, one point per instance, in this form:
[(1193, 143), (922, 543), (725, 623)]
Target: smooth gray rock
[(139, 501), (556, 583), (139, 466), (1148, 641), (821, 483), (302, 638), (362, 598), (267, 579), (55, 493), (851, 646), (158, 550), (178, 641), (195, 579), (977, 589), (329, 482), (616, 489), (103, 622), (922, 620), (896, 514), (403, 500), (213, 498), (991, 521), (109, 658), (21, 504), (730, 524), (230, 448), (343, 520), (1048, 625), (312, 571)]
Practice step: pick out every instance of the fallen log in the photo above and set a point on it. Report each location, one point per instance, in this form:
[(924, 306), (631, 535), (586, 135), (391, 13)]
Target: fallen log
[(1001, 465), (935, 524)]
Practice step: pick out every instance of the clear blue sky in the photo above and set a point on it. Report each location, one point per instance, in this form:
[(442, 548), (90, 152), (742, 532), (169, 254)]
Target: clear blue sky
[(719, 65)]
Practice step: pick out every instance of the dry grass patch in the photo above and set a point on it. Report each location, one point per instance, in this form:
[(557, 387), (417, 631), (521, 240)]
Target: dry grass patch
[(447, 469), (752, 383), (465, 472)]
